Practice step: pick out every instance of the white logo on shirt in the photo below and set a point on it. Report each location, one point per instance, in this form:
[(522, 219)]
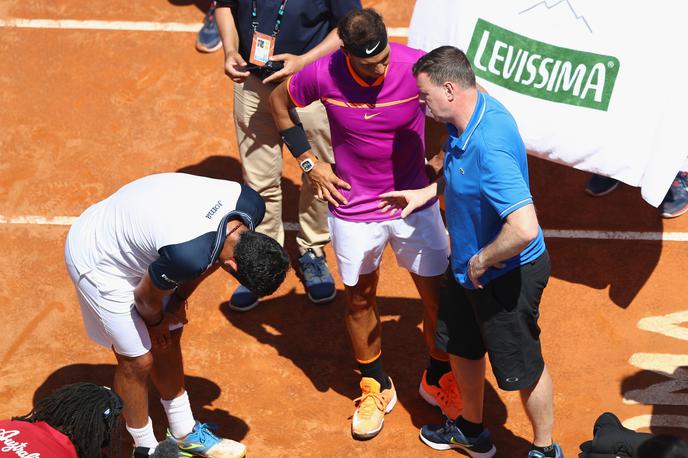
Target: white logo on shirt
[(369, 51), (14, 446), (165, 277)]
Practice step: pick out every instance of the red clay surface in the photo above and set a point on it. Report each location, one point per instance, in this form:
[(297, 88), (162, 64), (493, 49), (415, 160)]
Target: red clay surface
[(85, 112)]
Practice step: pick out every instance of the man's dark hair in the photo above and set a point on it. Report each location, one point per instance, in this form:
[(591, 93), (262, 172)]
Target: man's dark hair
[(360, 28), (87, 414), (262, 263), (446, 63), (663, 446)]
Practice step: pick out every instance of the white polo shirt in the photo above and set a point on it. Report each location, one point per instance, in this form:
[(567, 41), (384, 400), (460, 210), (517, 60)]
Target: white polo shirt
[(173, 225)]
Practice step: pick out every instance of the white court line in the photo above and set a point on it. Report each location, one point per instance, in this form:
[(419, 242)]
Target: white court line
[(41, 220), (100, 25), (616, 235), (289, 226), (137, 26)]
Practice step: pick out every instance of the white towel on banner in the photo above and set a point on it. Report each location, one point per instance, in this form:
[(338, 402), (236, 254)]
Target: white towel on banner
[(597, 85)]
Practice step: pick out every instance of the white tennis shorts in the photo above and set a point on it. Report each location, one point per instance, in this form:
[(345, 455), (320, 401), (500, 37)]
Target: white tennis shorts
[(125, 333), (420, 243)]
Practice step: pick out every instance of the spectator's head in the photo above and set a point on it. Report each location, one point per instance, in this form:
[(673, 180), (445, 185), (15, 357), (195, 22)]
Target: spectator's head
[(442, 75), (364, 41), (87, 414), (259, 263), (663, 446)]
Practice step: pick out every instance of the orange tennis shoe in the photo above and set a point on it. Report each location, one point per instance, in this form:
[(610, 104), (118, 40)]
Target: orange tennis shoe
[(447, 396), (371, 408)]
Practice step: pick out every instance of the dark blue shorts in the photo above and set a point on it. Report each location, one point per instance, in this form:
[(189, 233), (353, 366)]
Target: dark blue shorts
[(501, 320)]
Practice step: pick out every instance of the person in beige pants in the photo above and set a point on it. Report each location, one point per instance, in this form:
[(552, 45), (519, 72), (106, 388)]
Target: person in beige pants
[(302, 32)]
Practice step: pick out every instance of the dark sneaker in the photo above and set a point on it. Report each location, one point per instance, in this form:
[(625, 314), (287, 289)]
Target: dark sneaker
[(316, 278), (208, 39), (141, 452), (599, 185), (449, 436), (537, 454), (202, 442), (675, 202), (165, 449), (243, 299)]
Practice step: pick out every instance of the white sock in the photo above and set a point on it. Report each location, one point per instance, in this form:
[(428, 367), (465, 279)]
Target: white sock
[(144, 437), (179, 415)]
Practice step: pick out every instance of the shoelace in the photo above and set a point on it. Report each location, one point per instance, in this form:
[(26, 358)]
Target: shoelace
[(367, 409), (203, 432), (209, 17), (450, 427), (312, 267), (453, 392), (682, 179)]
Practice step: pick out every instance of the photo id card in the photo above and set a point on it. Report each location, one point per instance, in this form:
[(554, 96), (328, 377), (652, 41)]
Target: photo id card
[(261, 48)]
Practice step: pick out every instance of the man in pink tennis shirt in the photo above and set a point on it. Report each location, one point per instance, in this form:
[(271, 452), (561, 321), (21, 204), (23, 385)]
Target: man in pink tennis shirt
[(378, 128)]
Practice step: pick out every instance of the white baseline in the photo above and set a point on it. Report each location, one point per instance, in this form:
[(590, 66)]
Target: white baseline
[(549, 233), (136, 26)]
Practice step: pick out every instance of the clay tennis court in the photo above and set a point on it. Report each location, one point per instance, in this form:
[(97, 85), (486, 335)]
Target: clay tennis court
[(86, 111)]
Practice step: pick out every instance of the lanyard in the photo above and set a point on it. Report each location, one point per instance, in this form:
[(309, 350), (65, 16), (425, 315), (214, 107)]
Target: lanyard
[(278, 21)]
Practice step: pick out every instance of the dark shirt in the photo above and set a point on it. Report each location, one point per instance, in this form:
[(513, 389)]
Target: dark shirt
[(305, 24)]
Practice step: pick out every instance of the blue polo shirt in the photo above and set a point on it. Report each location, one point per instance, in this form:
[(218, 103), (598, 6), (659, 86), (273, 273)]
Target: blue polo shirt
[(486, 173)]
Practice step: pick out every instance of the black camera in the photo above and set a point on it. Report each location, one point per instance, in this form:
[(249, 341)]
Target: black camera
[(270, 67)]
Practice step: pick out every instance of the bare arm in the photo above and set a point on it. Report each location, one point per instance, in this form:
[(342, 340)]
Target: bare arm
[(148, 300), (407, 201), (230, 43), (520, 228), (330, 44), (294, 63), (435, 137), (281, 105), (322, 177)]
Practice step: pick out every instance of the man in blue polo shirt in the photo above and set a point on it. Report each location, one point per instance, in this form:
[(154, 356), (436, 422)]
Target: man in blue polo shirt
[(499, 264)]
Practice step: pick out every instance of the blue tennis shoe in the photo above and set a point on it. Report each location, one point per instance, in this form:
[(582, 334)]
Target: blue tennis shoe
[(448, 436), (316, 277), (202, 442)]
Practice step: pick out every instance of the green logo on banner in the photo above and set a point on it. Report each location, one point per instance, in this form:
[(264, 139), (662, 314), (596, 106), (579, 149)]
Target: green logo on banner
[(542, 70)]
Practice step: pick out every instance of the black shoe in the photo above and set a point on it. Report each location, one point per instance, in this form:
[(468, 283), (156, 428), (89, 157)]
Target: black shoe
[(141, 452), (558, 453), (449, 436), (599, 185)]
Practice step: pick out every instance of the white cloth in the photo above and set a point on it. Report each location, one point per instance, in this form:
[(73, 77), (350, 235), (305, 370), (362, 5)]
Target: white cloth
[(638, 137), (420, 243), (115, 241), (125, 332)]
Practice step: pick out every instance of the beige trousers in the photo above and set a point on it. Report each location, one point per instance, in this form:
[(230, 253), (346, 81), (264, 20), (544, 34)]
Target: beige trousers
[(260, 150)]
